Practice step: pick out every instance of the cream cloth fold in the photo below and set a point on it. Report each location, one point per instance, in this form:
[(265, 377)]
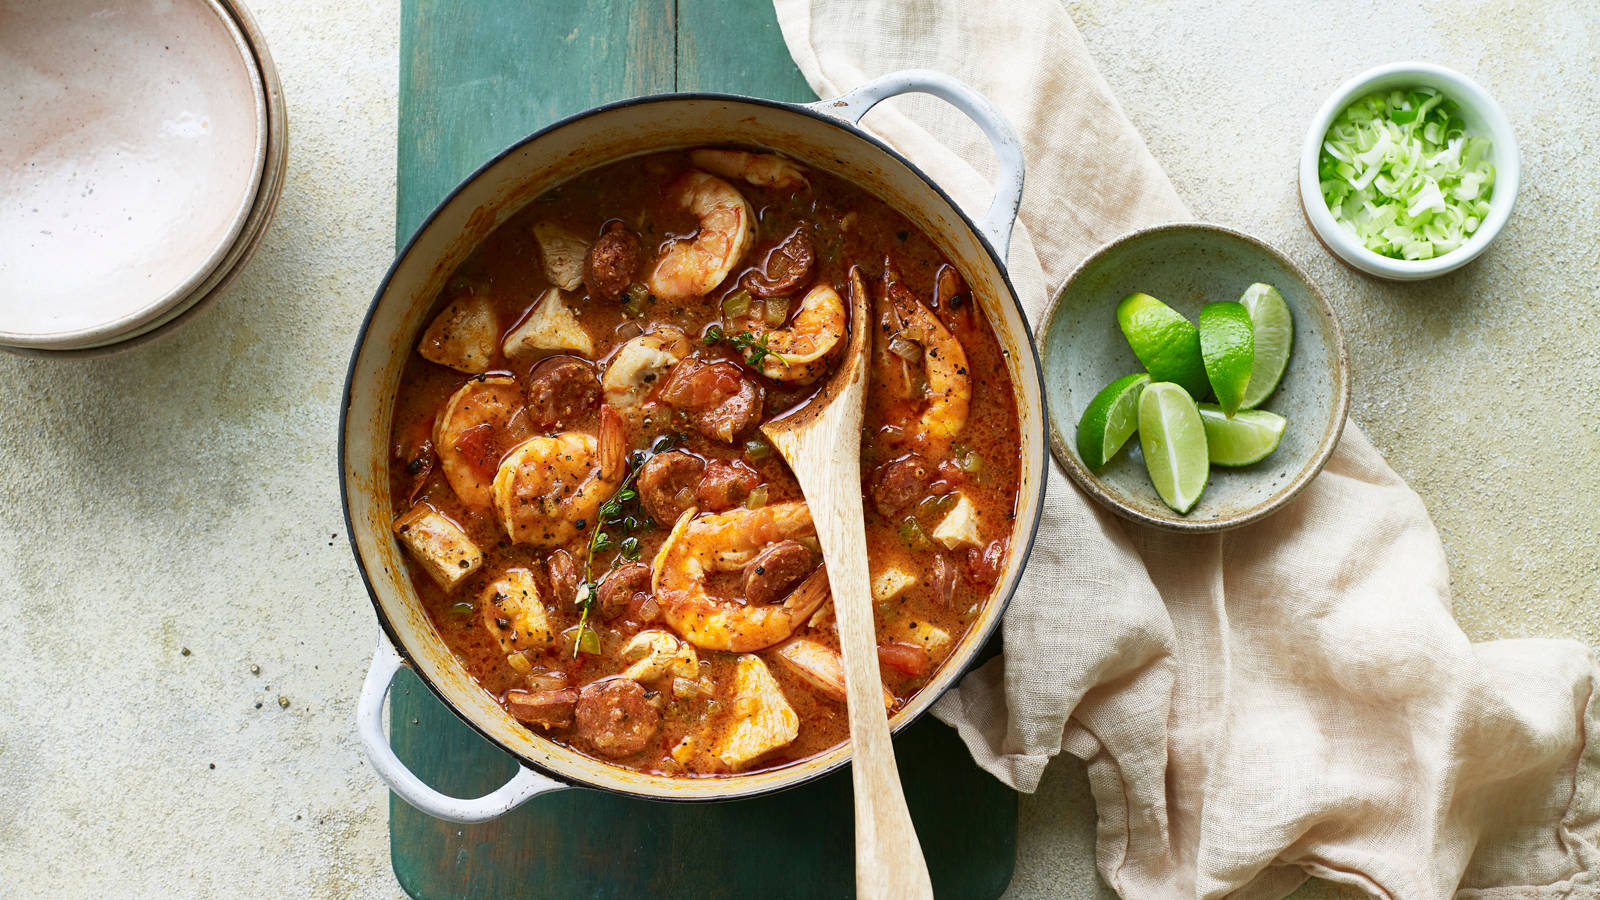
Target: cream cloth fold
[(1287, 699)]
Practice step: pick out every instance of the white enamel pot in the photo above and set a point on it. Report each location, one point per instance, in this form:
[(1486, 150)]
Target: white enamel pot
[(822, 135)]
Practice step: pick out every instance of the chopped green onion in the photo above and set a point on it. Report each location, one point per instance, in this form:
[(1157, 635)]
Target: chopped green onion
[(736, 304), (756, 449), (970, 462), (777, 312), (1399, 171), (462, 608), (757, 498)]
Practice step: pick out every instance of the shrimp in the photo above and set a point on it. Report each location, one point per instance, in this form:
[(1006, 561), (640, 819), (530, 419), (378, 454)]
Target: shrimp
[(799, 352), (760, 169), (549, 488), (478, 423), (949, 390), (691, 267), (639, 364), (703, 544)]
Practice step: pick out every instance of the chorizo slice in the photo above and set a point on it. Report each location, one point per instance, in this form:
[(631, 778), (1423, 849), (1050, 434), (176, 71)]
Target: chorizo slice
[(611, 263), (719, 399), (774, 572), (615, 717), (899, 484), (667, 484), (620, 587), (786, 267), (725, 485), (561, 391)]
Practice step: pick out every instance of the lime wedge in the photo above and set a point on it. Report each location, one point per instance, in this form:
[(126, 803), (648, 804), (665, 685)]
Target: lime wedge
[(1112, 418), (1274, 337), (1167, 344), (1248, 436), (1174, 444), (1227, 345)]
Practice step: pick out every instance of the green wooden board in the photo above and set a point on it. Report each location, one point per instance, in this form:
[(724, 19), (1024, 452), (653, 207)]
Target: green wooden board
[(475, 77)]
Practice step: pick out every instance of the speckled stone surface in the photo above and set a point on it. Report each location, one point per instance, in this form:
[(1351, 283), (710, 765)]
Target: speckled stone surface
[(185, 495)]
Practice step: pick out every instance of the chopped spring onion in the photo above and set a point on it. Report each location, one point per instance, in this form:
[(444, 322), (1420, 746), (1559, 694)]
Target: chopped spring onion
[(757, 498), (1400, 172), (911, 532), (756, 449)]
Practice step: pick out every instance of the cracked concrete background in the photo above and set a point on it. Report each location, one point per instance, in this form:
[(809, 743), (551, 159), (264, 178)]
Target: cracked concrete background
[(184, 496)]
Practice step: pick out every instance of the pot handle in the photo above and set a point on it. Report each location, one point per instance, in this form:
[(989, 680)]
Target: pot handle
[(1002, 215), (524, 786)]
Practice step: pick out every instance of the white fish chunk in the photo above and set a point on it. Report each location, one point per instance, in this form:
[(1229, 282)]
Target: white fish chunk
[(959, 530), (513, 612), (763, 720), (445, 551), (551, 326), (463, 335), (563, 253)]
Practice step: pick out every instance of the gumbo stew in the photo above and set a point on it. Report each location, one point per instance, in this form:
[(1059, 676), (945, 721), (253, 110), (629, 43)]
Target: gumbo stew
[(594, 522)]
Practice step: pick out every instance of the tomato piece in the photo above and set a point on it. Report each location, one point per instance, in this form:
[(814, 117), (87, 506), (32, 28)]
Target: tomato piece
[(906, 659)]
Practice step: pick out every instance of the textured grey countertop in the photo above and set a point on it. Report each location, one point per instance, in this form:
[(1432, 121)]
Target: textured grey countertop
[(185, 495)]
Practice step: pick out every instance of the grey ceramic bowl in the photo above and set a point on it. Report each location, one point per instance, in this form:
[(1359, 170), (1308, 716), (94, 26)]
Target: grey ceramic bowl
[(1188, 265)]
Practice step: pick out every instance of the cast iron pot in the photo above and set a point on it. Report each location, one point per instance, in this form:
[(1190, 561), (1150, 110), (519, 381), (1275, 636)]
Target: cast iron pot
[(823, 135)]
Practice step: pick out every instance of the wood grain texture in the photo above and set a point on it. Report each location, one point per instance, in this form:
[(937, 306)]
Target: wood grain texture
[(822, 444), (473, 78)]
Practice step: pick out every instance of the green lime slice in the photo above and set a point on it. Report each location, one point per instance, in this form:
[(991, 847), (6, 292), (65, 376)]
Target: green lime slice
[(1247, 436), (1167, 344), (1274, 338), (1174, 444), (1112, 418), (1227, 345)]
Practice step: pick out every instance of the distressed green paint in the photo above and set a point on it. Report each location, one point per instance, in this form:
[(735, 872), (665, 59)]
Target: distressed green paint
[(474, 77)]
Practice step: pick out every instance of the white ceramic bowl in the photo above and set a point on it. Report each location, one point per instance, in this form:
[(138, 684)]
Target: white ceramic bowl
[(138, 167), (1483, 117)]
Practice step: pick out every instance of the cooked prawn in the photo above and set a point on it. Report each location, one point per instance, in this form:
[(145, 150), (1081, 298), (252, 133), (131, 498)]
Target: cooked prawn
[(760, 169), (549, 489), (700, 545), (799, 352), (640, 363), (478, 422), (691, 267), (949, 386)]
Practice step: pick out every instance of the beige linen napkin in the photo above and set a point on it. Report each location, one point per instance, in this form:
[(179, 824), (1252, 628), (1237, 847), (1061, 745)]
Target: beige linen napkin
[(1288, 699)]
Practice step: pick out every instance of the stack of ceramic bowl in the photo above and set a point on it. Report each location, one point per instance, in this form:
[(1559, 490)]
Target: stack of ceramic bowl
[(142, 150)]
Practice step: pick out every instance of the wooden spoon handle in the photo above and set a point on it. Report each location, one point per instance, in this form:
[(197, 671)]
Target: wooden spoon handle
[(889, 861)]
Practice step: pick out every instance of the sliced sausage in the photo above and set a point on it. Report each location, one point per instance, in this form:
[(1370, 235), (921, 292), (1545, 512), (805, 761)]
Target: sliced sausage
[(615, 718), (561, 391), (563, 572), (719, 399), (900, 484), (612, 262), (619, 591), (725, 485), (775, 571), (547, 709), (984, 564), (667, 485), (786, 267)]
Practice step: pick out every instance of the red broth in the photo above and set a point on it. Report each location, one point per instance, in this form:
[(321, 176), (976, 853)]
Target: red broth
[(501, 493)]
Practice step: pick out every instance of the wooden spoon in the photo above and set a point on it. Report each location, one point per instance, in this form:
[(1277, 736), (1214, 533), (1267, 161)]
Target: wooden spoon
[(822, 443)]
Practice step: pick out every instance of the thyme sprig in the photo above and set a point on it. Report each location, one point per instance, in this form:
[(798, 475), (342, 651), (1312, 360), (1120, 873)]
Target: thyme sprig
[(620, 511), (753, 344)]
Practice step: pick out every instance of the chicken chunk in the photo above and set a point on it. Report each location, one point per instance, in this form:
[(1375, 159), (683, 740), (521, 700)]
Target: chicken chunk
[(462, 336), (659, 654), (551, 326), (563, 253), (959, 530), (819, 666), (763, 721), (514, 613), (445, 551)]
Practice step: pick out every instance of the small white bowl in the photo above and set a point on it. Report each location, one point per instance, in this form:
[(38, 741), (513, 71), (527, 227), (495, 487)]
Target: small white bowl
[(1482, 116)]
